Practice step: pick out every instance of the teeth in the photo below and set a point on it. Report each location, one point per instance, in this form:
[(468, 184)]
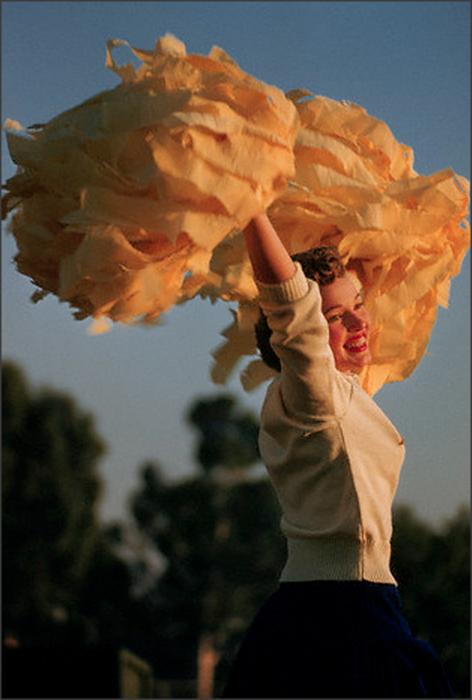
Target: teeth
[(355, 345)]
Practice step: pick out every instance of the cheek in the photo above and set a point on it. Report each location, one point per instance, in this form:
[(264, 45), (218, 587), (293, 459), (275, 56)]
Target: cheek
[(336, 338)]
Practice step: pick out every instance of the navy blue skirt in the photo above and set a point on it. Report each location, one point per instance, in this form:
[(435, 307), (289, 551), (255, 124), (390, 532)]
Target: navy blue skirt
[(330, 639)]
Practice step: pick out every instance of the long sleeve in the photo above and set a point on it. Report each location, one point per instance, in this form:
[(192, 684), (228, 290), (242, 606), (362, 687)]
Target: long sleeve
[(312, 389)]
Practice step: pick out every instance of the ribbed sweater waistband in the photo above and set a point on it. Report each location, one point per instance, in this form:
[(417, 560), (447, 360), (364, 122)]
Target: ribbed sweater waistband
[(337, 559)]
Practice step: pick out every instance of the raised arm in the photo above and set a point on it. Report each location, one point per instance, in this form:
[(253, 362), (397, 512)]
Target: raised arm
[(270, 260), (300, 335)]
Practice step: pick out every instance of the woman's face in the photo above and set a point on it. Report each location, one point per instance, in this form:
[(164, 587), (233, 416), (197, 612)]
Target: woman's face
[(349, 325)]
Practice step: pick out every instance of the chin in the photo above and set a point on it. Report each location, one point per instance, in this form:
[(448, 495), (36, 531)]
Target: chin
[(348, 366)]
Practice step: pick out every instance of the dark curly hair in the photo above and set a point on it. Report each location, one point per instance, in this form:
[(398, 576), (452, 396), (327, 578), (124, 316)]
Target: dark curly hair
[(322, 264)]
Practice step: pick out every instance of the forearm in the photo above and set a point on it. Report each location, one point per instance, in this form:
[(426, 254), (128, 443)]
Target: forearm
[(269, 258)]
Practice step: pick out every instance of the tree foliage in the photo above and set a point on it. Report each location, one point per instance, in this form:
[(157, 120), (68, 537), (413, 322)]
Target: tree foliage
[(217, 532), (227, 434), (432, 568), (50, 487)]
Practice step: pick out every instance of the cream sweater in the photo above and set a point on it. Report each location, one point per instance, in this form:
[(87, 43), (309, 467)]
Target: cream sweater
[(331, 453)]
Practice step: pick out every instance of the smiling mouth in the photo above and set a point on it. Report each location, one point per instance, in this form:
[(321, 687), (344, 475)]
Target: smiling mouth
[(357, 344)]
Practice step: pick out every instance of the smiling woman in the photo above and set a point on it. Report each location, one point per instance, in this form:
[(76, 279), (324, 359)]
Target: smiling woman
[(343, 307), (408, 64), (334, 628), (348, 323)]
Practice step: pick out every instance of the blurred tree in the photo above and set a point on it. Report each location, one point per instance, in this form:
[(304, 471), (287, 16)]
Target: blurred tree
[(227, 435), (50, 488), (205, 553), (219, 532), (179, 519), (432, 568), (104, 599)]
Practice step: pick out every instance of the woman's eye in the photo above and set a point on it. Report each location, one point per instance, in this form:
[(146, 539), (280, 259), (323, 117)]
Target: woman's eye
[(334, 318)]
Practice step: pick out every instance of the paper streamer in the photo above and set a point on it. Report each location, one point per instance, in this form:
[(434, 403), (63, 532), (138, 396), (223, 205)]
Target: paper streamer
[(134, 201)]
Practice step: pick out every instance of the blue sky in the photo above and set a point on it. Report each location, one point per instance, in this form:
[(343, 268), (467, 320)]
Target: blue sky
[(407, 63)]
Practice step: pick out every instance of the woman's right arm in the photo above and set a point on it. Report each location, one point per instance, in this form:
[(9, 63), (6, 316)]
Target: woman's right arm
[(300, 334), (270, 260)]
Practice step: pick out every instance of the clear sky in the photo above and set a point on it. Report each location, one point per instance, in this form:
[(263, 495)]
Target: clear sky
[(407, 63)]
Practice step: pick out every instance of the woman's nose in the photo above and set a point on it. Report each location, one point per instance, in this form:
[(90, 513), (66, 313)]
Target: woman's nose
[(354, 321)]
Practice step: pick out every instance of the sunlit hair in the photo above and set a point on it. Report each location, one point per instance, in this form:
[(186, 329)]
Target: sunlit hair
[(323, 265)]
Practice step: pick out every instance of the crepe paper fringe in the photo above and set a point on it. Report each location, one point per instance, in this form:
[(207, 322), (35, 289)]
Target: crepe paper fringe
[(403, 235), (119, 202), (135, 201)]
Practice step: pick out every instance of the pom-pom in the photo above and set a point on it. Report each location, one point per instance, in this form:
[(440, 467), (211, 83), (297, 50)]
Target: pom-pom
[(120, 201), (134, 201)]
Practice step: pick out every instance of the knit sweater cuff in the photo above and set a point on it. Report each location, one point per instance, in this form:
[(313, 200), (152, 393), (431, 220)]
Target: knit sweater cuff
[(285, 292)]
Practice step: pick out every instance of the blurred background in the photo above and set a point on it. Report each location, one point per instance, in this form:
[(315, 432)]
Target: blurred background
[(134, 503)]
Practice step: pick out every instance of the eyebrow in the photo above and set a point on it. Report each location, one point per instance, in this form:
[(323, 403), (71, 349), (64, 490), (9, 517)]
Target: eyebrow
[(340, 306)]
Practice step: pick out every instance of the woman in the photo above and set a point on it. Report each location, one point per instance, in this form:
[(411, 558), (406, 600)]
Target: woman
[(334, 627)]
